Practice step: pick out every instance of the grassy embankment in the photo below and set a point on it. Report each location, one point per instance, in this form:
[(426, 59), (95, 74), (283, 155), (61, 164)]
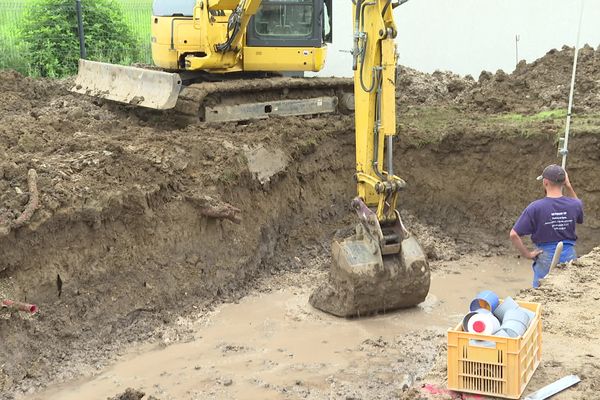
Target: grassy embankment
[(422, 125)]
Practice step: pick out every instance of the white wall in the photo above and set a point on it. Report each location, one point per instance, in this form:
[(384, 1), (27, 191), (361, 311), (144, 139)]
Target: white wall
[(467, 36)]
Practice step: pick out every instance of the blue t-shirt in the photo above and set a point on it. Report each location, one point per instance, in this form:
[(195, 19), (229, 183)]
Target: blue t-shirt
[(551, 220)]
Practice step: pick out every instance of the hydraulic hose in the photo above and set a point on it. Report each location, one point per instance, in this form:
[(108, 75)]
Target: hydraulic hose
[(363, 49), (233, 29), (376, 129)]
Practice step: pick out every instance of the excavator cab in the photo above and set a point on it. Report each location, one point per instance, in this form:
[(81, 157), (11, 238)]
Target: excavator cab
[(281, 35), (290, 24)]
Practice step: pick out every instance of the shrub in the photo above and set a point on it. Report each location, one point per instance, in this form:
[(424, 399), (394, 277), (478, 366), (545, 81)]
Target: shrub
[(49, 31), (11, 57)]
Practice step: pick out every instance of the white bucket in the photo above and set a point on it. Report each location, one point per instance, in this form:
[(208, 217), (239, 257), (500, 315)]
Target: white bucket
[(483, 323)]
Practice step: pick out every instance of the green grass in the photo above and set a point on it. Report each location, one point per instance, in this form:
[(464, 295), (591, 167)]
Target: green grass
[(13, 55), (10, 13), (541, 116), (138, 15), (423, 125)]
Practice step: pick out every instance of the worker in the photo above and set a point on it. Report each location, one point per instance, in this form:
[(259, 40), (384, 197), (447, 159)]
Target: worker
[(549, 220)]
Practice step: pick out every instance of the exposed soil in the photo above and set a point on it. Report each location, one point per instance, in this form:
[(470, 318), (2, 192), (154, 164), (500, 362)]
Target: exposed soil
[(571, 338), (145, 218), (273, 344), (533, 87)]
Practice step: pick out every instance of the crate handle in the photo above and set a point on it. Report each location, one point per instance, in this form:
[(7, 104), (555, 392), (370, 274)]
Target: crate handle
[(482, 343)]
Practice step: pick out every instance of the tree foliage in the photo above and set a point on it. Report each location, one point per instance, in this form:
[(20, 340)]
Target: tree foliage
[(50, 34)]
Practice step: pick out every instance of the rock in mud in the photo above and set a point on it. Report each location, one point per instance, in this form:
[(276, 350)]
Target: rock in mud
[(264, 163), (129, 394)]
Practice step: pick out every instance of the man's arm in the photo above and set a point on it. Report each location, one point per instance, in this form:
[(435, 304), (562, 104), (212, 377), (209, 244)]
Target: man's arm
[(518, 243), (569, 192)]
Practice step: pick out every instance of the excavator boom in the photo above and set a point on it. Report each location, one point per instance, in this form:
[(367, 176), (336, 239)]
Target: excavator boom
[(381, 267)]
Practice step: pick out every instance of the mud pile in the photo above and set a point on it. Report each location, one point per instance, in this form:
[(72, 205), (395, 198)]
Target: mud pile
[(132, 394), (541, 85), (419, 88), (142, 217), (533, 87)]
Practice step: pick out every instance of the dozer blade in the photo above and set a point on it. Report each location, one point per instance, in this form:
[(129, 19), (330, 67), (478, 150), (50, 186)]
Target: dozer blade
[(363, 282), (130, 85)]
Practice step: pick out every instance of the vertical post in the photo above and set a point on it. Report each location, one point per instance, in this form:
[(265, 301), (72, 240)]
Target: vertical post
[(82, 51), (565, 142), (517, 38)]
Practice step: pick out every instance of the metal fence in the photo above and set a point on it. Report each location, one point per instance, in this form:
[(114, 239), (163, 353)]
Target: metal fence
[(40, 37)]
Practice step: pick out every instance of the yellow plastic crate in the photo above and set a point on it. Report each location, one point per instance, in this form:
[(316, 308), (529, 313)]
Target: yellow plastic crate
[(491, 365)]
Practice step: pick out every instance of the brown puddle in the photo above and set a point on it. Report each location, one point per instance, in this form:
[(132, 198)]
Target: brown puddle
[(267, 343)]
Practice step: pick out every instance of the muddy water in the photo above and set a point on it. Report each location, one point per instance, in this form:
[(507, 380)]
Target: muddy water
[(269, 344)]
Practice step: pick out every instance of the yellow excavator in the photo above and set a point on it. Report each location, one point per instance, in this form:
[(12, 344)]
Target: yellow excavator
[(229, 60), (225, 60)]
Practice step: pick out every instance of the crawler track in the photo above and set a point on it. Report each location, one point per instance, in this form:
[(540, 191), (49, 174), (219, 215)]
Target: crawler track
[(196, 100)]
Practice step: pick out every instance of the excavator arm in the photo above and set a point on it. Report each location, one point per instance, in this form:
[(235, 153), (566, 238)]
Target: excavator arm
[(374, 67), (237, 23), (381, 267)]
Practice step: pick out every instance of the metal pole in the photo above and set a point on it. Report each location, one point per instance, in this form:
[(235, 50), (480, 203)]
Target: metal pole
[(517, 38), (82, 51), (564, 151)]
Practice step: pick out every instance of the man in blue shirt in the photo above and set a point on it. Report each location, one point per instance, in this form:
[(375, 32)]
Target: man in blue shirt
[(549, 220)]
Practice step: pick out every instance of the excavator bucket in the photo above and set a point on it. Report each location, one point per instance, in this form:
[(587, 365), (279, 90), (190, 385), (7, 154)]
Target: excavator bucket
[(363, 282), (130, 85)]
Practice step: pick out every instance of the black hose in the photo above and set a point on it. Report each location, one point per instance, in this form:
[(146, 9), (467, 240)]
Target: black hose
[(363, 51), (385, 8), (233, 29)]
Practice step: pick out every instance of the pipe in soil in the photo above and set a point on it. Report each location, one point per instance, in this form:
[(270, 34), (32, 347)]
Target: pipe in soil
[(18, 306)]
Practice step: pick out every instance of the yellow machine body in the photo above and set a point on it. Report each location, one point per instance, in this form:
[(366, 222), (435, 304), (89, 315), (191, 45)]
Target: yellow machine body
[(382, 266), (193, 39), (188, 43)]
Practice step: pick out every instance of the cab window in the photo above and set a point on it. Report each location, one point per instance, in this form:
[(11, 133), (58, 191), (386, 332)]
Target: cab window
[(285, 18), (169, 8)]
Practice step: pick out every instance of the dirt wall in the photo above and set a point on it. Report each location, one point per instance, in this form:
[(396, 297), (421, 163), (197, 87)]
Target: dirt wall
[(475, 184)]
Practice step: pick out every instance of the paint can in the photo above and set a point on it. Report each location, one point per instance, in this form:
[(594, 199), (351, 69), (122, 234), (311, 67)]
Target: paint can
[(471, 314), (483, 323), (486, 299)]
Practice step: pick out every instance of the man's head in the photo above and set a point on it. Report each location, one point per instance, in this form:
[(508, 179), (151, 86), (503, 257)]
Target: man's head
[(553, 175)]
